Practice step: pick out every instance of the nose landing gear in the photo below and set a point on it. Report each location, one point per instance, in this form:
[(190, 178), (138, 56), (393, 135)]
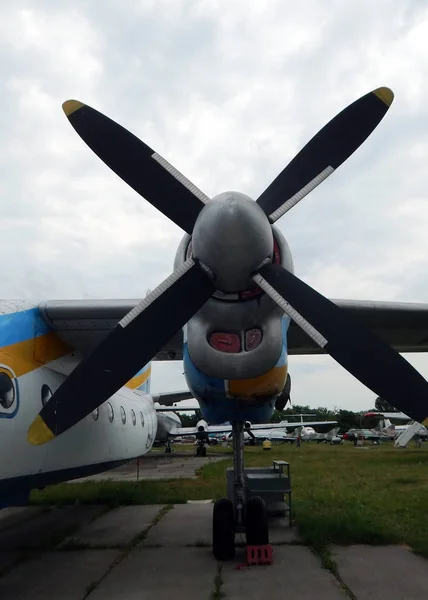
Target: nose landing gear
[(243, 514), (201, 450)]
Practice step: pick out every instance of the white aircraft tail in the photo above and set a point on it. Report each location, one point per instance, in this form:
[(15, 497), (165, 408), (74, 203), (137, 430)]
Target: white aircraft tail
[(389, 430), (381, 424), (332, 433)]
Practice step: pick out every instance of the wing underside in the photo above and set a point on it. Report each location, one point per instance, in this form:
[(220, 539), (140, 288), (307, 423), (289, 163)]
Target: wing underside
[(82, 324)]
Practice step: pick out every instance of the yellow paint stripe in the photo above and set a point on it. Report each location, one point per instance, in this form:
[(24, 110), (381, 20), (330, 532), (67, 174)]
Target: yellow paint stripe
[(269, 384), (70, 106), (24, 357), (384, 94), (138, 380)]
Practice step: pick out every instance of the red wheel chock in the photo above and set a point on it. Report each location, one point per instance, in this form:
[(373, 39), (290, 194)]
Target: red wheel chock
[(258, 555)]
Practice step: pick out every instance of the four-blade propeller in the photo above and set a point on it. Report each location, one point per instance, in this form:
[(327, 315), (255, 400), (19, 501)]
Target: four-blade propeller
[(152, 323)]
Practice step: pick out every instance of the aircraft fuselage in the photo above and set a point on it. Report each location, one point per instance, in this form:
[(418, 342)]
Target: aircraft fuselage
[(121, 429)]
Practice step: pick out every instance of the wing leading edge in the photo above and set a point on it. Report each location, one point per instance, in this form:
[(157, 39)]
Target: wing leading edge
[(403, 325), (82, 324), (178, 431)]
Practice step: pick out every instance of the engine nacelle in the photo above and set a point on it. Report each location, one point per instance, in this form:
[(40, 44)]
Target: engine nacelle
[(238, 335), (201, 426)]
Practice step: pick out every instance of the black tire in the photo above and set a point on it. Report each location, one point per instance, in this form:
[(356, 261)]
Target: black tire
[(198, 451), (223, 530), (203, 451), (256, 522)]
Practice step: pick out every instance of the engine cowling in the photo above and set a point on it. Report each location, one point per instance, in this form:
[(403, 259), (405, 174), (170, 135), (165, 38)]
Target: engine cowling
[(201, 426), (237, 335)]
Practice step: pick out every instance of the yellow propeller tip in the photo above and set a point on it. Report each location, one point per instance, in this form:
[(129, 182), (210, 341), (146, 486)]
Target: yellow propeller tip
[(384, 94), (425, 422), (70, 106), (39, 433)]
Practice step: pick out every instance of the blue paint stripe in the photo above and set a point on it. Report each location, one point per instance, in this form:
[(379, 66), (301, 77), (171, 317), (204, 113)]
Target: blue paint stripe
[(144, 369), (198, 379), (21, 326), (217, 410), (283, 358), (145, 387)]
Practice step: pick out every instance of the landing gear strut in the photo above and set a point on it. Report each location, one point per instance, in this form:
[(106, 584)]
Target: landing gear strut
[(201, 448), (241, 514), (168, 448)]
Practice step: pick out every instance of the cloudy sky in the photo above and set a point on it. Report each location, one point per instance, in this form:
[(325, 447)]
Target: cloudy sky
[(228, 92)]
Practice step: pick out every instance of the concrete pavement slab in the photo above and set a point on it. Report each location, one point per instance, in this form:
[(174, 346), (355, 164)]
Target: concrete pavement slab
[(118, 527), (382, 571), (7, 560), (295, 573), (160, 573), (57, 575), (198, 531), (48, 529), (183, 525), (173, 467), (17, 514), (281, 533)]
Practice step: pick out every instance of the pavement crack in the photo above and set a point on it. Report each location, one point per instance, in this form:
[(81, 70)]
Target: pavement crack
[(140, 537), (328, 563), (217, 594)]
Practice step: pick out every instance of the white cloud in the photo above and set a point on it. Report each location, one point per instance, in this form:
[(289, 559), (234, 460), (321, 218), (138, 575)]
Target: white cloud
[(228, 93)]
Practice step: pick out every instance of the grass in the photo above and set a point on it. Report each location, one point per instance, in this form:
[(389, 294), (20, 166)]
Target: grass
[(341, 495)]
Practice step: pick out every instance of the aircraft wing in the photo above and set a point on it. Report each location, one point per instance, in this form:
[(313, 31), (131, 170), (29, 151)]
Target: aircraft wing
[(189, 408), (168, 399), (294, 424), (176, 431), (82, 324), (228, 428), (389, 415), (404, 326)]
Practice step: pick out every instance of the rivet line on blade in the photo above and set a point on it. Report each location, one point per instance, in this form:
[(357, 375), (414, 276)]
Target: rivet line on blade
[(167, 283), (300, 194), (292, 312), (180, 177)]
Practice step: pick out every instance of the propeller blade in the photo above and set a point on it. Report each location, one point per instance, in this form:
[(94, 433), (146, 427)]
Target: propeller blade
[(325, 152), (138, 165), (371, 360), (132, 343)]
